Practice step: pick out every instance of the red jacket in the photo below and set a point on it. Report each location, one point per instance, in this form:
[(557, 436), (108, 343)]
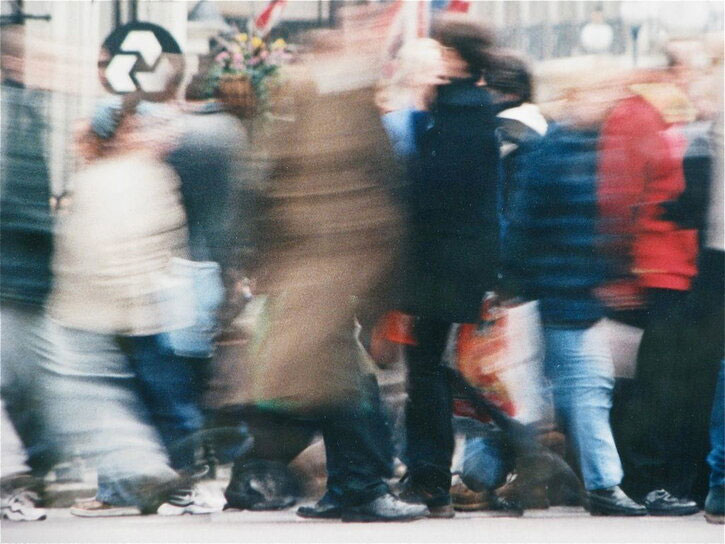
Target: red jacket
[(640, 166)]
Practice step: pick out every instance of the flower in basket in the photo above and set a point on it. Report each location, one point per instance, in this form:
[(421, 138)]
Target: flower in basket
[(245, 70)]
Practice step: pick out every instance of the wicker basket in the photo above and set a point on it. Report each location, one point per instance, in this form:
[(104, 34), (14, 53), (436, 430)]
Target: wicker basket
[(237, 92)]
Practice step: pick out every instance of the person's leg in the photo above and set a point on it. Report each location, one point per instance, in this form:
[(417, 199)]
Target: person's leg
[(651, 423), (486, 461), (715, 502), (26, 347), (169, 387), (429, 412), (359, 449), (716, 458), (579, 365), (97, 412), (359, 453)]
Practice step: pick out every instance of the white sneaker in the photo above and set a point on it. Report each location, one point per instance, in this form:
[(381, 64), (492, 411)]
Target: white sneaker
[(22, 506), (186, 502)]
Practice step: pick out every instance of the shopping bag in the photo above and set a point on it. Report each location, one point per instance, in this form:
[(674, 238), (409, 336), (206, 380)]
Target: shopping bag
[(392, 331), (480, 357), (198, 295)]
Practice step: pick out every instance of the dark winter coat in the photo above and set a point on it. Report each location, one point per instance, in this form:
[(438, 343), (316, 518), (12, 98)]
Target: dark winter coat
[(455, 231), (25, 218), (208, 161), (552, 248)]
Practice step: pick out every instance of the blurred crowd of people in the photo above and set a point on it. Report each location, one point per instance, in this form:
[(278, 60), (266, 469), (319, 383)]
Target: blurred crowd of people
[(348, 200)]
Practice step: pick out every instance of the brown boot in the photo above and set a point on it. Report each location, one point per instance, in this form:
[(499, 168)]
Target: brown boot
[(467, 500)]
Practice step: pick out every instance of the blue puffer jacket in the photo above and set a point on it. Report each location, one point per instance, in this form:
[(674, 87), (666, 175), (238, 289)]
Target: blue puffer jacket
[(551, 249), (25, 218)]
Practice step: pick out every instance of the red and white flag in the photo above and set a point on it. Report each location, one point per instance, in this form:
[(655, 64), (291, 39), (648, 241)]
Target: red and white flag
[(265, 21)]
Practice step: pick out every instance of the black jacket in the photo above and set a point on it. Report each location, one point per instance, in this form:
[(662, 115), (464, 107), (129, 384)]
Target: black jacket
[(455, 230)]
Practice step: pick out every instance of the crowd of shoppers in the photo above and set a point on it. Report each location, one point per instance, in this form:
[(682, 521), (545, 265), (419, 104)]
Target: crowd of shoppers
[(350, 201)]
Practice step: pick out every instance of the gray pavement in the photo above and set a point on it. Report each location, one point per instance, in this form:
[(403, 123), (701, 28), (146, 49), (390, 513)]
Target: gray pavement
[(553, 525)]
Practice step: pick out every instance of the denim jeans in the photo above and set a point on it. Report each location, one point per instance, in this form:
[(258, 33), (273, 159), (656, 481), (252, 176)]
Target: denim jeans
[(358, 445), (359, 449), (716, 458), (27, 346), (579, 365), (98, 411), (169, 387), (487, 459)]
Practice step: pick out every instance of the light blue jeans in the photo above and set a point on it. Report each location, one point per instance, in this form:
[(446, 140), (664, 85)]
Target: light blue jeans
[(98, 412), (487, 459), (27, 346), (579, 365)]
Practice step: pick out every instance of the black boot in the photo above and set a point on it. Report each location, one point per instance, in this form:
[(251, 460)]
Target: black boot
[(438, 501)]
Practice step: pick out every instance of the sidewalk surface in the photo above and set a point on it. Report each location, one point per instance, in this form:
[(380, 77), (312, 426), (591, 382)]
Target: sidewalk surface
[(553, 525)]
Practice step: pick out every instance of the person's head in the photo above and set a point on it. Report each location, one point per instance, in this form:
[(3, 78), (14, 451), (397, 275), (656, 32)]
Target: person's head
[(510, 76), (468, 45), (418, 68)]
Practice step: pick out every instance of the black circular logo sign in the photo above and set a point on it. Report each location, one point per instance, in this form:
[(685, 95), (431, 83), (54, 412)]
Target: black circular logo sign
[(141, 57)]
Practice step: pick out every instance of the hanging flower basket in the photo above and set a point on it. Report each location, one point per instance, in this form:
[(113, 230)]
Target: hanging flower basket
[(244, 72), (237, 92)]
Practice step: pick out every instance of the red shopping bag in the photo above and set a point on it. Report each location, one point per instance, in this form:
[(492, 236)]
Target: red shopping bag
[(480, 357)]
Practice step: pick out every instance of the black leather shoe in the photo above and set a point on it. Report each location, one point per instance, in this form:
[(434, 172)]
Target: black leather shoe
[(325, 508), (505, 506), (661, 503), (387, 507), (612, 501)]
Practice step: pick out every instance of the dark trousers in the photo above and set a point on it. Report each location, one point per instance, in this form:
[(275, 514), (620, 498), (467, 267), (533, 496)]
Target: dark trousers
[(661, 426), (359, 449), (357, 437), (429, 412)]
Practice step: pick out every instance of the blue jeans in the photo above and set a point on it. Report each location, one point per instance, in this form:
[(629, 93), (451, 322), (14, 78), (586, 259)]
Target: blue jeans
[(98, 412), (579, 365), (127, 401), (487, 459), (359, 449), (170, 389), (716, 459)]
